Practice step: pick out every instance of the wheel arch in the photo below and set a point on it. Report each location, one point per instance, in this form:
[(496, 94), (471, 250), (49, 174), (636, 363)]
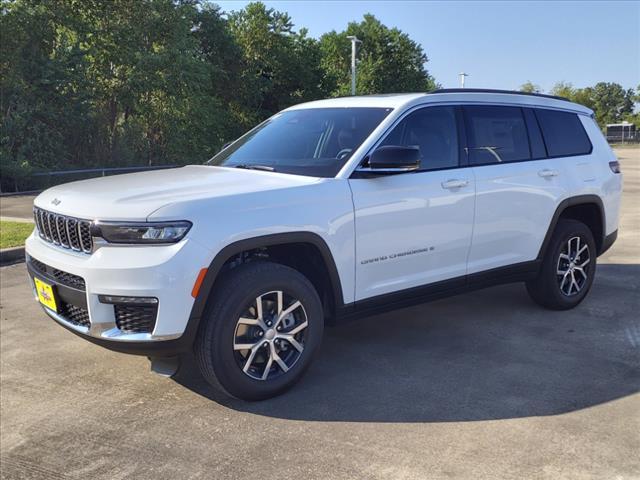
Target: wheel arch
[(588, 209), (272, 241)]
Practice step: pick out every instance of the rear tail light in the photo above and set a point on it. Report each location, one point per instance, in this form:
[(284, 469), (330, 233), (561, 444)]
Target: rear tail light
[(615, 166)]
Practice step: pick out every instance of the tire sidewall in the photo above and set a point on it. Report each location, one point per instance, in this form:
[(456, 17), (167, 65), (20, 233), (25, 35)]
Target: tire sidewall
[(260, 278), (569, 229)]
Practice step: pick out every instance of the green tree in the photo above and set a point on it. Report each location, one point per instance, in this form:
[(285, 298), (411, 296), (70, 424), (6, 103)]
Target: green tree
[(633, 116), (280, 67), (129, 82), (388, 60), (43, 89), (147, 78), (563, 89), (113, 83), (530, 87), (611, 102)]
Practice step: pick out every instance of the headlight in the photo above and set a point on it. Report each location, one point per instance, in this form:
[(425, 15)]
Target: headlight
[(146, 232)]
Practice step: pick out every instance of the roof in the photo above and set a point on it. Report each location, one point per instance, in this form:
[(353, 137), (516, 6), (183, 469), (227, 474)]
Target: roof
[(489, 90), (463, 95), (388, 100)]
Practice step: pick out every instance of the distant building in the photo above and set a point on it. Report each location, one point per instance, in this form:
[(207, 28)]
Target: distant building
[(621, 132)]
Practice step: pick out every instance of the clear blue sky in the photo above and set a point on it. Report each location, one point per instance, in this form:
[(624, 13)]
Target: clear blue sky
[(500, 44)]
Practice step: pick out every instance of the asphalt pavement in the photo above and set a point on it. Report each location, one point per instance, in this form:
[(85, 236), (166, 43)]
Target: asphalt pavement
[(482, 385)]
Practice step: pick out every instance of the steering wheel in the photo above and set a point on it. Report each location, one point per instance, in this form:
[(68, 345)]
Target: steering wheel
[(343, 153)]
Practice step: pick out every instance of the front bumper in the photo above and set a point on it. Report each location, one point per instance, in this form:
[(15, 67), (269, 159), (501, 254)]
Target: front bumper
[(163, 272)]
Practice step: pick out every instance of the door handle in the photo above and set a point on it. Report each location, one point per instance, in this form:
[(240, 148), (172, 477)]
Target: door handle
[(547, 173), (455, 183)]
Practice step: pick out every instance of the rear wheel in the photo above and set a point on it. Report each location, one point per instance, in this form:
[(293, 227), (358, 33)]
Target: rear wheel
[(262, 330), (568, 268)]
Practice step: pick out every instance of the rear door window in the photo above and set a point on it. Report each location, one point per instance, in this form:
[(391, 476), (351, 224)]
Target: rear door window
[(496, 134), (563, 133)]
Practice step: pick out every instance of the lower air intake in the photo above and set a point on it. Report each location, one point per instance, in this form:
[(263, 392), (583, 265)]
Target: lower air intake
[(136, 318), (75, 315)]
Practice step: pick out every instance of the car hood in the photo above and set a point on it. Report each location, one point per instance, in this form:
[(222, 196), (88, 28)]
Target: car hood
[(136, 196)]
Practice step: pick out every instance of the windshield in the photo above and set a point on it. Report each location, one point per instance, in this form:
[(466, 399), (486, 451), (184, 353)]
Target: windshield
[(315, 142)]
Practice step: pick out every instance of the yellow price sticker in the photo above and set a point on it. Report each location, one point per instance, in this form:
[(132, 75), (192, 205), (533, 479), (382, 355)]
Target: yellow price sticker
[(45, 294)]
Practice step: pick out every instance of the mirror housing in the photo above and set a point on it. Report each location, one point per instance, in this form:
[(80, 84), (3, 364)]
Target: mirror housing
[(394, 159)]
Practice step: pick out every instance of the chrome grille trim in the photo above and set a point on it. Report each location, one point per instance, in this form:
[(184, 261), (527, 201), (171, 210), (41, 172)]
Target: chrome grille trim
[(81, 237), (52, 231), (64, 231)]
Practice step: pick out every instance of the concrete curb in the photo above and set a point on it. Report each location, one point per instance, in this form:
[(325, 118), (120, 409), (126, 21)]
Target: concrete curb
[(9, 256)]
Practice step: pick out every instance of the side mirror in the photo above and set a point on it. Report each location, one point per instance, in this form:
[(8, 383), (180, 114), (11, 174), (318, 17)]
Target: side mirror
[(394, 159)]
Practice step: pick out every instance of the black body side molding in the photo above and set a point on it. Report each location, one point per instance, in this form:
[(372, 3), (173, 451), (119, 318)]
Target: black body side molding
[(519, 272)]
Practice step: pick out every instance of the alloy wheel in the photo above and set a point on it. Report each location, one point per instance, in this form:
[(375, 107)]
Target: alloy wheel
[(573, 266), (270, 336)]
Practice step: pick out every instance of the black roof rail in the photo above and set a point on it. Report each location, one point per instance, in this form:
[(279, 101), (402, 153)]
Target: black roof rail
[(489, 90)]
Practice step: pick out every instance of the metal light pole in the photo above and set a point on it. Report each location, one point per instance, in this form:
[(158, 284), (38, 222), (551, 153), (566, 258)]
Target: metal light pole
[(462, 76), (354, 42)]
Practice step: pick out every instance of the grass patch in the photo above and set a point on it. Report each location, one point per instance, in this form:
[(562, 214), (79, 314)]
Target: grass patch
[(13, 234)]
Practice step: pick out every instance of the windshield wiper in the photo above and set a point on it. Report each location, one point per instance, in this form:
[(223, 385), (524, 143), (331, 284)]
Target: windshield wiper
[(265, 168)]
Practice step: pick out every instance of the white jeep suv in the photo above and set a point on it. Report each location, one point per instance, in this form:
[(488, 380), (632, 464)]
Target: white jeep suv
[(328, 210)]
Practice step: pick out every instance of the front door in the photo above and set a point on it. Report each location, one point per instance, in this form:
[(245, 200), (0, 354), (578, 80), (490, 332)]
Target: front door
[(414, 229)]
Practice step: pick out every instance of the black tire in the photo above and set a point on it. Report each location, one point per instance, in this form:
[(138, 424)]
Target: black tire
[(546, 289), (236, 293)]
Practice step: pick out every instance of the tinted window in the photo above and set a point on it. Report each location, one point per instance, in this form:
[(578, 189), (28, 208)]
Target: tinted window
[(563, 133), (314, 142), (434, 131), (496, 134), (535, 137)]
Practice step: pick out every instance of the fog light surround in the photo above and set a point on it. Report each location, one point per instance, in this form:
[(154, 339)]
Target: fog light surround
[(118, 299)]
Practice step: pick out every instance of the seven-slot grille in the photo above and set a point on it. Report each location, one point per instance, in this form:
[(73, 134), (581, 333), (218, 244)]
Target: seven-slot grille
[(67, 232)]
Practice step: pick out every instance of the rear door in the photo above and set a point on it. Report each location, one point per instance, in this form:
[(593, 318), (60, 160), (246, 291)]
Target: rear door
[(415, 228), (517, 187)]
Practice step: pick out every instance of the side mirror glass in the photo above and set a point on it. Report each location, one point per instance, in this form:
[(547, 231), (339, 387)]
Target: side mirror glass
[(394, 159)]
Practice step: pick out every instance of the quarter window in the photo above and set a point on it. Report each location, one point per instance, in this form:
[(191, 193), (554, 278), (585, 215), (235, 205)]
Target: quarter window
[(496, 134), (433, 130), (563, 133)]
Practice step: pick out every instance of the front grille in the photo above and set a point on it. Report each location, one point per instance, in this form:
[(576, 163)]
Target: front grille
[(136, 318), (65, 278), (74, 314), (66, 232)]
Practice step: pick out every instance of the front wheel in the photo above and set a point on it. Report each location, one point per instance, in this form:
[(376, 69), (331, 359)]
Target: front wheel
[(568, 268), (262, 330)]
